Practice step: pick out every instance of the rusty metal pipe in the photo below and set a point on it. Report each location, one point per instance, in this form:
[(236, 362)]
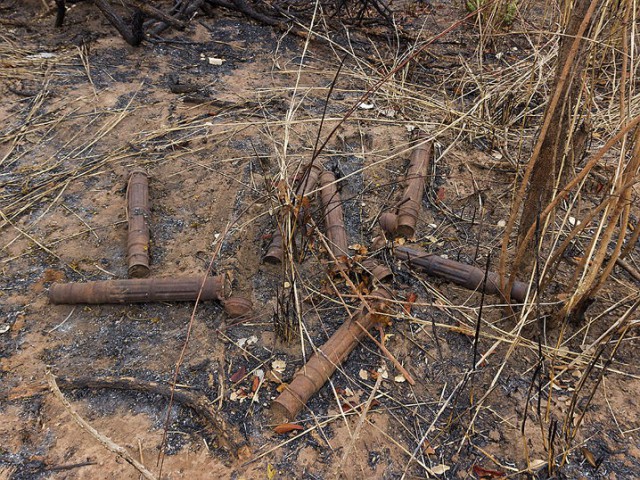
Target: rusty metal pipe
[(412, 199), (275, 252), (466, 276), (138, 214), (322, 364), (138, 290), (334, 217)]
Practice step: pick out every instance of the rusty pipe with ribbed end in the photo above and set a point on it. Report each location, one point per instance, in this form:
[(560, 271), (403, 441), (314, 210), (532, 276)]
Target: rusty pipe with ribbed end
[(322, 364), (275, 252), (334, 218), (138, 214), (409, 208), (139, 290), (466, 276)]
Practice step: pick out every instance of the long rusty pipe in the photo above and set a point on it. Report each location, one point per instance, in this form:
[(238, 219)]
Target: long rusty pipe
[(322, 364), (138, 290), (334, 217), (466, 276), (138, 214)]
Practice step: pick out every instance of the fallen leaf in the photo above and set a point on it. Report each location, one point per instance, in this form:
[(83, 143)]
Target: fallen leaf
[(588, 456), (286, 428), (255, 384), (239, 375), (363, 374), (411, 298), (482, 472), (282, 387), (399, 379), (440, 469), (427, 448)]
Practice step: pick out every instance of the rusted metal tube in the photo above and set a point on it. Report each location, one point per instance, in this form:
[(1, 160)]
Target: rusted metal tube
[(138, 290), (322, 364), (138, 214), (334, 217), (308, 181), (466, 276), (412, 199), (389, 222), (275, 254), (377, 270)]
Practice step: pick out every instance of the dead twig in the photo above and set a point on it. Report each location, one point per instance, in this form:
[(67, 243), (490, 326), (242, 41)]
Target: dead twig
[(104, 440)]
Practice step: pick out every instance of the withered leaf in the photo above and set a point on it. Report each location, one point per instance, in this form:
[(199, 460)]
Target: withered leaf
[(588, 456), (482, 472), (286, 428), (239, 375)]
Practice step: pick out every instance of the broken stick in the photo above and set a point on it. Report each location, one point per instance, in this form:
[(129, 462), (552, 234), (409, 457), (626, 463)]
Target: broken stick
[(334, 218), (466, 276), (138, 213), (174, 289), (322, 364)]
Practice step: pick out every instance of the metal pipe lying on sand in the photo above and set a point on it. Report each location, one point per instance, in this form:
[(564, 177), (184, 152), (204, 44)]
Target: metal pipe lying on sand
[(409, 208), (275, 253), (466, 276), (138, 290), (334, 218), (138, 214), (322, 364)]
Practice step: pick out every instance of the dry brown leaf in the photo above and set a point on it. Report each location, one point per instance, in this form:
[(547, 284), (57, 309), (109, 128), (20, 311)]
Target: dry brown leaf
[(588, 456), (239, 375), (286, 428)]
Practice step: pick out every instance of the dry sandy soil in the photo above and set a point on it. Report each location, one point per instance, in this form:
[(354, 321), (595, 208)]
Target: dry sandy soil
[(80, 109)]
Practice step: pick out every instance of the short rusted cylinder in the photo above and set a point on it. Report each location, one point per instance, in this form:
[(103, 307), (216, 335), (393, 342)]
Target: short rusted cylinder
[(138, 290), (138, 214), (275, 253), (412, 199), (377, 270), (389, 222), (333, 216), (238, 306), (466, 276), (322, 364)]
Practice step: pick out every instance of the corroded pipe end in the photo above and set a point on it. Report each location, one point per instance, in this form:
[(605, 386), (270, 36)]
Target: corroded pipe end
[(377, 270), (238, 306), (138, 270), (389, 222)]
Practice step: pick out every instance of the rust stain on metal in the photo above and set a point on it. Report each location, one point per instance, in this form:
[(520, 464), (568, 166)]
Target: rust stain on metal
[(138, 214), (313, 375), (138, 290), (466, 276), (334, 217)]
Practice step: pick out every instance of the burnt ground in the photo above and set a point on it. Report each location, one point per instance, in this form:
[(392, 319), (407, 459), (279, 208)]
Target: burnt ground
[(81, 108)]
